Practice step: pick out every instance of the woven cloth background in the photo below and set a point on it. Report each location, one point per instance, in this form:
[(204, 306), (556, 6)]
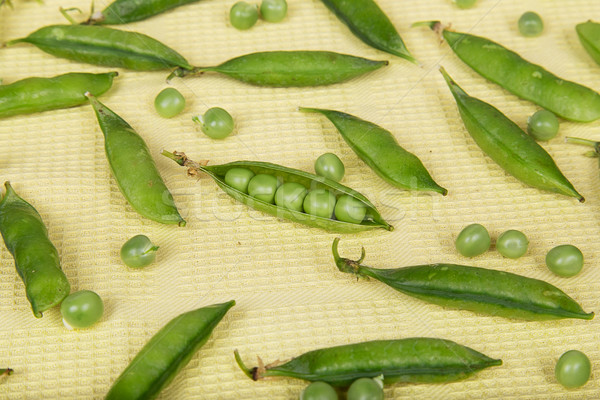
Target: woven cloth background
[(290, 297)]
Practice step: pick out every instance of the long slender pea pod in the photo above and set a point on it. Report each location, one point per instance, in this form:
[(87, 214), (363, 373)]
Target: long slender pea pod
[(134, 169), (32, 95), (126, 11), (528, 81), (291, 68), (100, 45), (475, 289), (379, 149), (511, 148), (371, 220), (410, 360), (589, 36), (36, 258), (166, 353), (370, 24)]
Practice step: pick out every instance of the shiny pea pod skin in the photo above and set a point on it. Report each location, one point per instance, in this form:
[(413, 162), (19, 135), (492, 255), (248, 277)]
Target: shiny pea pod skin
[(36, 258), (370, 24), (475, 289), (410, 360), (310, 181), (166, 353), (134, 169), (126, 11), (380, 150), (589, 36), (100, 45), (511, 148), (35, 94), (496, 63), (292, 68)]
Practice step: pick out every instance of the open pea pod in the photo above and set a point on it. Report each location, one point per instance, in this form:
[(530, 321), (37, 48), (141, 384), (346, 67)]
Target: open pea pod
[(371, 220)]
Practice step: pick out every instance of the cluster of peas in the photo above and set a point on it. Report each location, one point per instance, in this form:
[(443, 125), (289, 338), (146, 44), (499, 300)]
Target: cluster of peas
[(244, 15), (360, 389)]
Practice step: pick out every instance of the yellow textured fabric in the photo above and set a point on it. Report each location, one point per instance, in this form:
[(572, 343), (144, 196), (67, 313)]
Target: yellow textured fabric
[(290, 297)]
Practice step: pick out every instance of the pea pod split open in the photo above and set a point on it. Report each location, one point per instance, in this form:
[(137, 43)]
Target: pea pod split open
[(471, 288), (408, 360), (371, 220), (505, 143)]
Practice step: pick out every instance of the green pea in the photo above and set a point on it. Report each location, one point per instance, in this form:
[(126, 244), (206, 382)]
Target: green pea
[(263, 187), (465, 3), (216, 123), (565, 260), (291, 195), (319, 202), (512, 244), (319, 391), (273, 10), (239, 178), (573, 369), (243, 15), (169, 102), (330, 166), (542, 125), (82, 309), (348, 209), (365, 389), (138, 252), (531, 24), (473, 240)]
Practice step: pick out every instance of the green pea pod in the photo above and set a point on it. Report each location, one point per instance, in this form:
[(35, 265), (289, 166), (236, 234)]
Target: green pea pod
[(166, 353), (105, 46), (40, 94), (529, 81), (371, 220), (134, 169), (410, 360), (379, 149), (36, 258), (126, 11), (475, 289), (589, 36), (291, 68), (370, 24), (511, 148)]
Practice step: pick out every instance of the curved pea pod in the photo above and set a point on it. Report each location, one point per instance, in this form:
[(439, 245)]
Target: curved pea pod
[(475, 289), (370, 24), (589, 36), (410, 360), (134, 169), (379, 149), (511, 148), (291, 68), (100, 45), (166, 353), (36, 258), (372, 218), (126, 11), (41, 94)]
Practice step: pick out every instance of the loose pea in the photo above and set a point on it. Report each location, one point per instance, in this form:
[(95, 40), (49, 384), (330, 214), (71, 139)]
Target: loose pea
[(330, 166), (348, 209), (365, 389), (273, 10), (319, 391), (565, 260), (238, 178), (465, 3), (138, 252), (473, 240), (573, 369), (263, 187), (512, 244), (82, 309), (291, 195), (216, 123), (319, 202), (169, 102), (243, 15), (542, 125), (531, 24)]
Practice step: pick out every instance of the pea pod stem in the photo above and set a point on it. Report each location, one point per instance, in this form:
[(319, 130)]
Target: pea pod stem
[(583, 142)]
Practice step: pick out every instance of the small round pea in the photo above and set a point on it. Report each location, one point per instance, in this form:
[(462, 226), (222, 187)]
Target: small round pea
[(512, 244), (243, 15), (273, 10), (169, 102), (239, 178), (330, 166), (81, 309), (565, 260), (365, 389), (263, 187), (473, 240), (573, 369), (319, 202), (291, 195), (216, 123), (542, 125), (465, 3), (349, 209), (319, 391), (138, 252), (530, 24)]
